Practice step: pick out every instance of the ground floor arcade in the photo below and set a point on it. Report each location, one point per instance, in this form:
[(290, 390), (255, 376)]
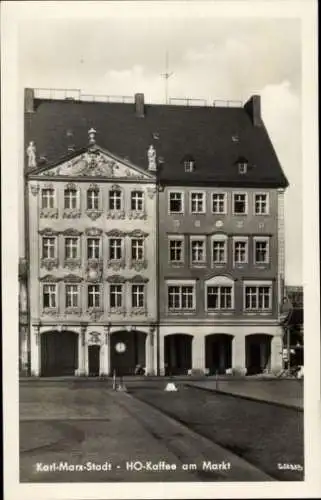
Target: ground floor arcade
[(167, 350)]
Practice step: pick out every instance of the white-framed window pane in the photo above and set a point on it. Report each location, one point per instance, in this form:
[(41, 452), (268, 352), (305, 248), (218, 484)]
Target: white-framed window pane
[(212, 297), (116, 295), (176, 250), (261, 252), (175, 202), (239, 203), (92, 199), (261, 204), (138, 295), (137, 201), (198, 250), (240, 252), (251, 297), (70, 198), (47, 198), (115, 199), (93, 247), (187, 297), (71, 248), (218, 203), (72, 296), (226, 297), (219, 252), (48, 248), (197, 202), (264, 297), (93, 296), (115, 248), (49, 295), (174, 297), (137, 249)]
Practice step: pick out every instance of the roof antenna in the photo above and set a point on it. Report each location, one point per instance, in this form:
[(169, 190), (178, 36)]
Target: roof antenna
[(166, 76)]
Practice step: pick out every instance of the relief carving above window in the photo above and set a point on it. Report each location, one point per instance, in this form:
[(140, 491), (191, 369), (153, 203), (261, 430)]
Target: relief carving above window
[(49, 264), (115, 278), (138, 279), (115, 214), (93, 214), (71, 232), (93, 231), (137, 233), (72, 213), (48, 213), (116, 233), (50, 278), (47, 231), (72, 278)]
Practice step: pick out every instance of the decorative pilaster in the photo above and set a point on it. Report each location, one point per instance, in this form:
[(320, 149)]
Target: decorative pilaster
[(81, 350), (198, 353), (105, 369), (238, 354), (161, 354), (276, 353), (150, 341), (35, 350), (281, 243)]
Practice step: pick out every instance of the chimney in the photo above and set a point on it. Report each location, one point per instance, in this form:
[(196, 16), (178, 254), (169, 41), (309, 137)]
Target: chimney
[(139, 105), (253, 108), (29, 100)]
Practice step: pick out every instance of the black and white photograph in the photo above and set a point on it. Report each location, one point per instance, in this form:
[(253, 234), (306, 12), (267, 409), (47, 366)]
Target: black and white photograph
[(162, 293)]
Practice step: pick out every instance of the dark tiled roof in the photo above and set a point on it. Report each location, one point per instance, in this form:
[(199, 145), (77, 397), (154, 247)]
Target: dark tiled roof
[(203, 132)]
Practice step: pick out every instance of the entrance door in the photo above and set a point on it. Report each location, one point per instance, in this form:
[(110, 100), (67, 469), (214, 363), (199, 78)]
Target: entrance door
[(59, 353), (93, 360)]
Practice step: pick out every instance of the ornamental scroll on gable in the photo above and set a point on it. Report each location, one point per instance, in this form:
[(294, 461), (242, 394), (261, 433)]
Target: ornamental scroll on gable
[(94, 163)]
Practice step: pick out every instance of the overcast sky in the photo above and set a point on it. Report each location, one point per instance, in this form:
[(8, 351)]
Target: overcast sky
[(211, 58)]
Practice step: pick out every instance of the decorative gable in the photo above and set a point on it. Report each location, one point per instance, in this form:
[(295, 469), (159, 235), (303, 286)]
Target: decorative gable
[(95, 162)]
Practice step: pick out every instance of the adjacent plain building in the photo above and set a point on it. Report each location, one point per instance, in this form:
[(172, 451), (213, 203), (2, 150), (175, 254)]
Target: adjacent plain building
[(154, 237)]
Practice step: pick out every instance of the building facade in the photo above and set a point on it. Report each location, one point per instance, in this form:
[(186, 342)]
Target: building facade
[(154, 236)]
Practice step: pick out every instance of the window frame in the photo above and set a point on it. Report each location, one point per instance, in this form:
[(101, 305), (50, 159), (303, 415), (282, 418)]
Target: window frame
[(238, 193), (180, 238), (258, 284), (182, 194), (54, 246), (77, 238), (53, 197), (97, 194), (181, 284), (203, 193), (265, 239), (55, 294), (76, 198), (240, 239), (97, 286), (261, 193), (204, 240), (142, 194), (99, 247), (72, 306), (116, 294), (121, 198), (142, 241), (135, 307), (217, 193), (219, 238), (219, 282), (122, 248)]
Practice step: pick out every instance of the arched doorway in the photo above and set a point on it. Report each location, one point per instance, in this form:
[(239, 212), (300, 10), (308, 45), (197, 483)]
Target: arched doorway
[(125, 362), (59, 353), (257, 353), (218, 353), (178, 353)]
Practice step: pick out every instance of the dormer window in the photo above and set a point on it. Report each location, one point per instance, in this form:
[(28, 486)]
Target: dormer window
[(189, 163), (242, 164)]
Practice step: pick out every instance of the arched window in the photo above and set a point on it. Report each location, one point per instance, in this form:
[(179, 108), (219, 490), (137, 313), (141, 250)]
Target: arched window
[(219, 294)]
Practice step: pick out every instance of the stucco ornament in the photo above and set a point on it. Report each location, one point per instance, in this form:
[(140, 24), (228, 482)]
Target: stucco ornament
[(31, 153)]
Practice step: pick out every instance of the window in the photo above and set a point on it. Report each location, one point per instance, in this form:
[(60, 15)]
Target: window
[(197, 251), (176, 250), (137, 249), (116, 296), (138, 295), (72, 296), (189, 165), (261, 203), (176, 202), (219, 297), (197, 203), (137, 201), (115, 248), (93, 248), (71, 248), (180, 297), (261, 251), (93, 296), (48, 248), (92, 199), (219, 251), (47, 198), (258, 297), (49, 296), (239, 203), (114, 199), (70, 198), (240, 251), (219, 203)]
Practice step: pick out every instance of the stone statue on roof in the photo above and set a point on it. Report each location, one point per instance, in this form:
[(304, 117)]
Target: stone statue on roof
[(151, 153), (31, 153)]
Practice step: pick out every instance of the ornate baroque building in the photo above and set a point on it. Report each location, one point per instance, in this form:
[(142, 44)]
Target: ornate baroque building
[(154, 237)]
